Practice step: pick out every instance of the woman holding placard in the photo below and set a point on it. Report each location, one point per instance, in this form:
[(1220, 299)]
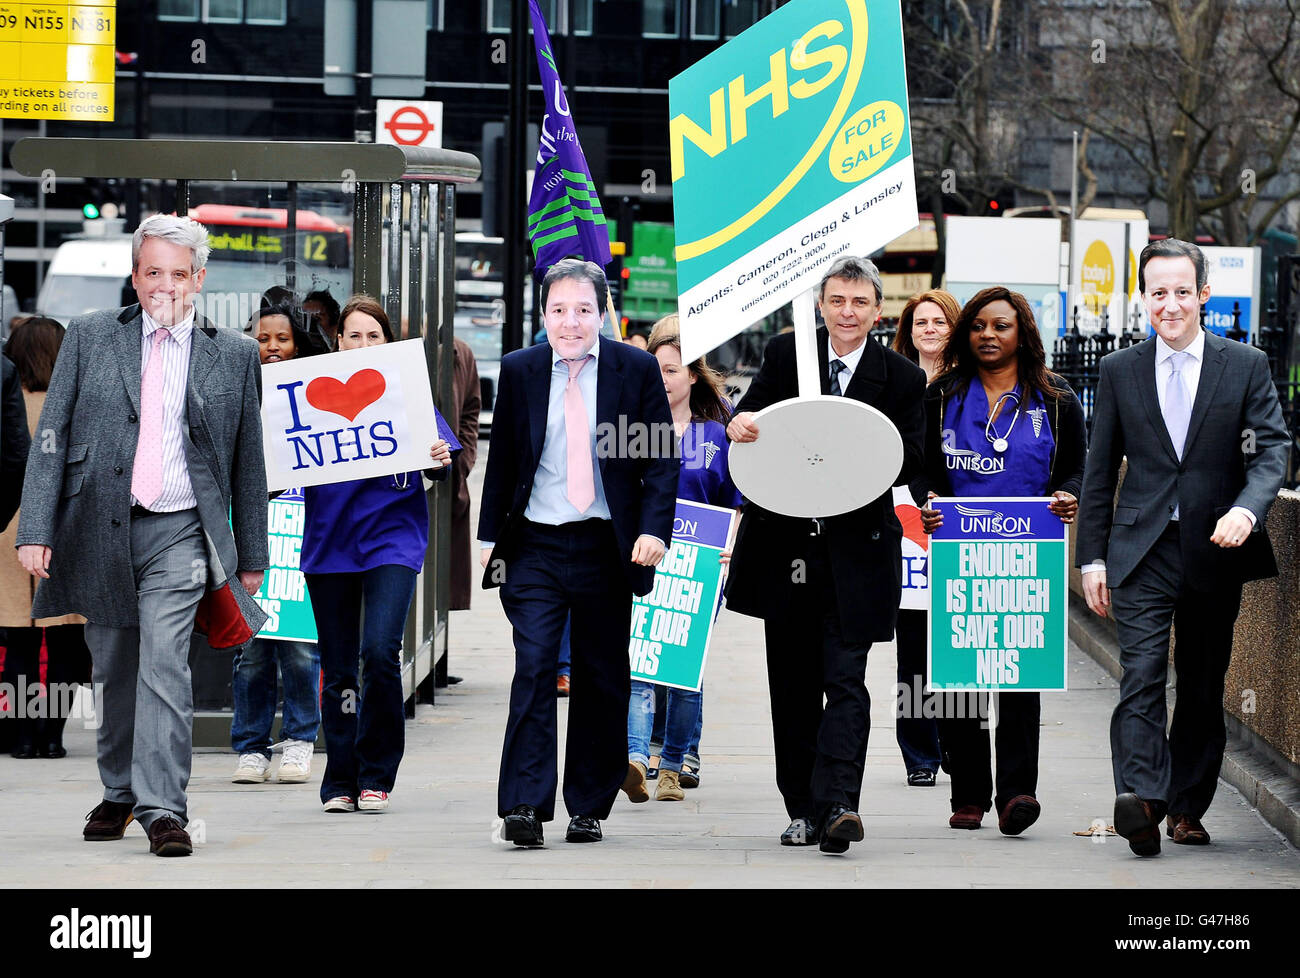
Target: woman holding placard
[(700, 413), (280, 329), (999, 423), (923, 329), (362, 546)]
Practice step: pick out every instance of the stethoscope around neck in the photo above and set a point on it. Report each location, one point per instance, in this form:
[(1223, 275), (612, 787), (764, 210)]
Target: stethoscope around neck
[(999, 442)]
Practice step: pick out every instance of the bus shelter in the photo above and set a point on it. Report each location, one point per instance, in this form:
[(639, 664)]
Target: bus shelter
[(400, 248)]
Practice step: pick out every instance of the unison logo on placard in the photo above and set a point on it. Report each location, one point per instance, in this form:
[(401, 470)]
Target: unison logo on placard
[(976, 520)]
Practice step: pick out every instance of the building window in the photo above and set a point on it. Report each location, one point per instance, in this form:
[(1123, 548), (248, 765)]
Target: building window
[(224, 11), (498, 16), (704, 18), (659, 18), (264, 12), (580, 12), (738, 15), (178, 9)]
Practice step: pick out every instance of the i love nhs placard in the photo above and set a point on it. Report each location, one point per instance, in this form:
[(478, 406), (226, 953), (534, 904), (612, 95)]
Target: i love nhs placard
[(347, 415)]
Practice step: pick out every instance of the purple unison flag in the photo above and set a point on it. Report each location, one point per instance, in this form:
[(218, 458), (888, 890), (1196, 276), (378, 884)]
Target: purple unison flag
[(564, 215)]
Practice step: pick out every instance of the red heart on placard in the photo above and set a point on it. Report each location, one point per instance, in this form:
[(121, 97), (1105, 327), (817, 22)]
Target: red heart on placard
[(349, 399), (910, 517)]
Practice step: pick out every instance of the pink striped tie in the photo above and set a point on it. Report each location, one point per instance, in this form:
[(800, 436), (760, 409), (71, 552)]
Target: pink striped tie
[(581, 488), (146, 474)]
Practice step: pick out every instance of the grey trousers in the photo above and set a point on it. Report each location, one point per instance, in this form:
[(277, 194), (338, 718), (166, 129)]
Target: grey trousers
[(146, 735), (1179, 773)]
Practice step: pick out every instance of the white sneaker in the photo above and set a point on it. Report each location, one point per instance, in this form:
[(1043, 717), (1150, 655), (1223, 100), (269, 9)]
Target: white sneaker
[(340, 803), (253, 768), (295, 766), (373, 801)]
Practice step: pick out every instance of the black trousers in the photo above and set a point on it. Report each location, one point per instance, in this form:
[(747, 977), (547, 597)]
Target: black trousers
[(1182, 770), (820, 750), (571, 572), (68, 662), (964, 734)]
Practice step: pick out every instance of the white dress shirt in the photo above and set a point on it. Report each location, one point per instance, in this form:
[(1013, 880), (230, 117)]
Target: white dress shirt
[(850, 361), (177, 493)]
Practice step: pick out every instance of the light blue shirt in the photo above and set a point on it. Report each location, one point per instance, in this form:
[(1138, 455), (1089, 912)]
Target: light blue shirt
[(549, 502)]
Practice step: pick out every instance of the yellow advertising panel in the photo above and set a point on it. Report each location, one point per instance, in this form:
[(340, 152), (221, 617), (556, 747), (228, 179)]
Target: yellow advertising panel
[(57, 60)]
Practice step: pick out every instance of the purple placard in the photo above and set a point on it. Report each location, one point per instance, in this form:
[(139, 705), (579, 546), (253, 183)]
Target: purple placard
[(998, 518), (701, 524)]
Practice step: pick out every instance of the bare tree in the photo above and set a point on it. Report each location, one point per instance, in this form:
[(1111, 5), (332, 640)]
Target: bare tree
[(1201, 98)]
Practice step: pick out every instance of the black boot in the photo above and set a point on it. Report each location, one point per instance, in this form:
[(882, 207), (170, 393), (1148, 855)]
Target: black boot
[(24, 738), (50, 741)]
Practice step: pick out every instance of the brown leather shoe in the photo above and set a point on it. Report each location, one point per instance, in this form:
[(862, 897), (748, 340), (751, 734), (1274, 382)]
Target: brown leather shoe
[(966, 817), (1186, 830), (168, 838), (1019, 813), (107, 821), (1137, 821), (561, 685)]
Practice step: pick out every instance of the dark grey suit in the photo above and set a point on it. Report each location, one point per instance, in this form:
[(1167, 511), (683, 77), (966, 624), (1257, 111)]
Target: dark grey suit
[(1164, 572), (139, 581)]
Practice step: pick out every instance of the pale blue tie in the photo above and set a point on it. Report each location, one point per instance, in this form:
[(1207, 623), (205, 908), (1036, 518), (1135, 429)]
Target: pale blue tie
[(1178, 405)]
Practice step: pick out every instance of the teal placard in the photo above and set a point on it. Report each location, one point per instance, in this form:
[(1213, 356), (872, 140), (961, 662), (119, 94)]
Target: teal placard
[(999, 597), (283, 594), (673, 624), (790, 146)]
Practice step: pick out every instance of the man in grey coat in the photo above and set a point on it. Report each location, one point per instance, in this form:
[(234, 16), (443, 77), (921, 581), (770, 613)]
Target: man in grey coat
[(1198, 418), (150, 435)]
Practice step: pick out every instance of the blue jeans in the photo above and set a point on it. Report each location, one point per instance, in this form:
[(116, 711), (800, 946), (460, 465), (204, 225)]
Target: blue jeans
[(364, 735), (917, 734), (253, 686), (692, 755), (681, 719), (565, 656)]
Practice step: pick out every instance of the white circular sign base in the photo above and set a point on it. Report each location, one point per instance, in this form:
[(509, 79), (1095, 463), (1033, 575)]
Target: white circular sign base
[(818, 456)]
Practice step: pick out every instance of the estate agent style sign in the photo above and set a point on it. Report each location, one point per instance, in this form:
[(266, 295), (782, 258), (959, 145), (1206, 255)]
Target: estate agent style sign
[(349, 415), (790, 146)]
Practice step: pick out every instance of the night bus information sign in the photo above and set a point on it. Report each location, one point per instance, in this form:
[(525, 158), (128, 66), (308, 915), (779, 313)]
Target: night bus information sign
[(57, 61)]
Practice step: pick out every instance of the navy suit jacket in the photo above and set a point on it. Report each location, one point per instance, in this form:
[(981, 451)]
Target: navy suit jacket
[(641, 488)]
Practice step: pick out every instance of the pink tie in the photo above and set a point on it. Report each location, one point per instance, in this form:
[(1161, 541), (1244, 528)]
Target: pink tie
[(581, 489), (146, 475)]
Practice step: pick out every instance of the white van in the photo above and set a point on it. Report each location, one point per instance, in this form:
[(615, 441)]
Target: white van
[(87, 274)]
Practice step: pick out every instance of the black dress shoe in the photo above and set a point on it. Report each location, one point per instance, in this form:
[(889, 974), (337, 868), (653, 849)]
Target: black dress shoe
[(583, 828), (53, 750), (921, 778), (802, 832), (523, 827), (841, 827), (1138, 821), (23, 751), (446, 681)]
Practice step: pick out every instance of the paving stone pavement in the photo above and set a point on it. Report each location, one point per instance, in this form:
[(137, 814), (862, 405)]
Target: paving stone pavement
[(438, 829)]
